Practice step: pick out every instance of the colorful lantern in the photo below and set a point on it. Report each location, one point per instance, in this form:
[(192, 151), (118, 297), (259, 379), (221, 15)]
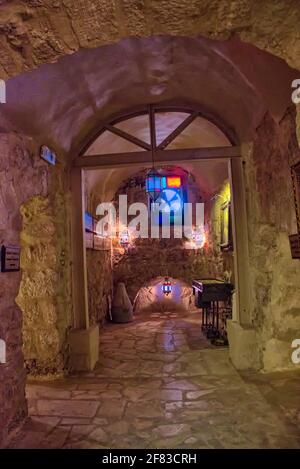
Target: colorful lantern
[(153, 184), (167, 287)]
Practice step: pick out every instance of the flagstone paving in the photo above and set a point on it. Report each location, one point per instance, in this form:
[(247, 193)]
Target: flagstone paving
[(160, 384)]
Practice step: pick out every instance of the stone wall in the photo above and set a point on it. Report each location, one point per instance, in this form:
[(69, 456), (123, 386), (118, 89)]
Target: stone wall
[(275, 276), (33, 214), (151, 297), (152, 258), (45, 291), (49, 30), (21, 177), (214, 228), (99, 285)]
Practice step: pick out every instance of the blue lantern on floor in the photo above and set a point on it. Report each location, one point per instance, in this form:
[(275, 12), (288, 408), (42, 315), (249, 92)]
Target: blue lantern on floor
[(153, 184), (167, 287)]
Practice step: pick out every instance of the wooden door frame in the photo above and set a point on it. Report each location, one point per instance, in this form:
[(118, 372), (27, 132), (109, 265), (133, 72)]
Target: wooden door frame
[(231, 154)]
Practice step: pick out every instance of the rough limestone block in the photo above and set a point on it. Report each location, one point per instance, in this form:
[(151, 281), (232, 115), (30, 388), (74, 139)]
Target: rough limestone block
[(122, 310), (86, 23), (84, 348), (277, 356), (243, 347)]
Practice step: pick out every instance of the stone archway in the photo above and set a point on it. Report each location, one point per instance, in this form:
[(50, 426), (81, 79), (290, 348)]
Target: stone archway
[(158, 258), (38, 35), (245, 332), (124, 271), (150, 297), (48, 32)]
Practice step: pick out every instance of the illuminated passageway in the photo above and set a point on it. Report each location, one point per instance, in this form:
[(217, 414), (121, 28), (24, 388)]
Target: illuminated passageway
[(129, 337)]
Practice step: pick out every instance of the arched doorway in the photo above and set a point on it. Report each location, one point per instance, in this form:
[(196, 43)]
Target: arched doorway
[(162, 134), (268, 162), (151, 298)]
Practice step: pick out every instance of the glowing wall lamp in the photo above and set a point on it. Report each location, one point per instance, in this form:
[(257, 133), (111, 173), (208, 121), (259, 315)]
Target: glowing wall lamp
[(199, 238), (167, 287), (124, 239)]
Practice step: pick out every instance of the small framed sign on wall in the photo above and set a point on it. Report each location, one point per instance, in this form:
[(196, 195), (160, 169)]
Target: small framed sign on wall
[(10, 258), (295, 246), (295, 239), (296, 190), (48, 155)]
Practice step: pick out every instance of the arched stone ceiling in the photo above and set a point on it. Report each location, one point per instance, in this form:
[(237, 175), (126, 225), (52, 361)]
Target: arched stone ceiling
[(39, 31), (63, 103)]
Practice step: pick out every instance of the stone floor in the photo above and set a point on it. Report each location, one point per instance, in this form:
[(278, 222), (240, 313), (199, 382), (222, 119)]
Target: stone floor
[(160, 384)]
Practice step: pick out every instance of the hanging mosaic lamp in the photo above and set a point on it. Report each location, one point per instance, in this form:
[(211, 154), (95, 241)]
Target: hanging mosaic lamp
[(167, 287), (153, 184)]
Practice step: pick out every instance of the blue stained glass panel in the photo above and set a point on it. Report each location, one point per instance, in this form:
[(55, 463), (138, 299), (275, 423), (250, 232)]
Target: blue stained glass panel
[(153, 184), (164, 182)]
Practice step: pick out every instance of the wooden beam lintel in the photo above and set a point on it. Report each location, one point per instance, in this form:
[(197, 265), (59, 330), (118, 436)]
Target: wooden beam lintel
[(141, 158)]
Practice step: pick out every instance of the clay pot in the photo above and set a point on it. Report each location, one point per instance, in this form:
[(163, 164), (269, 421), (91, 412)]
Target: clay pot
[(122, 310)]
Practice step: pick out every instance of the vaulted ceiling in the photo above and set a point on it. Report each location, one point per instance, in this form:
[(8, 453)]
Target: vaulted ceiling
[(63, 103)]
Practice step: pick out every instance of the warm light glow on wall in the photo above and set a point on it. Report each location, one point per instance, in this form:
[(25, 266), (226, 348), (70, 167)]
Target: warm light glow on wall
[(219, 200), (124, 238), (199, 238)]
